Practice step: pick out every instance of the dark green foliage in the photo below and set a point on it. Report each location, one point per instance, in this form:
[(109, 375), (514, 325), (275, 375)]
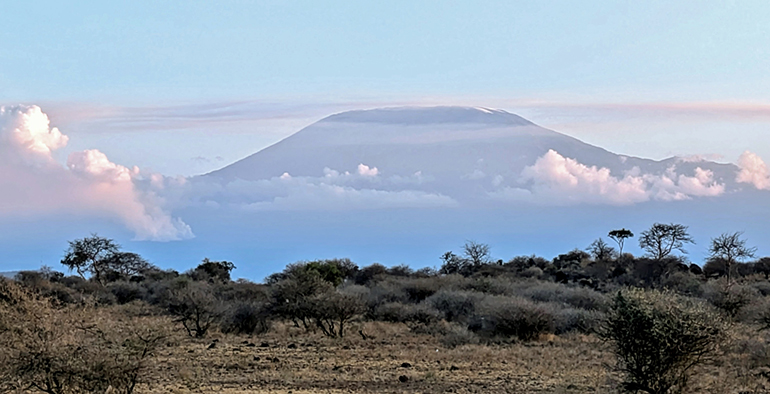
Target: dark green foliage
[(368, 274), (571, 261), (214, 271), (102, 259), (126, 292), (620, 237)]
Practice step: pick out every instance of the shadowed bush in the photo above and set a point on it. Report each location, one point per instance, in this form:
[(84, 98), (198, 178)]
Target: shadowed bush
[(512, 317), (455, 305), (728, 297), (196, 307), (246, 318)]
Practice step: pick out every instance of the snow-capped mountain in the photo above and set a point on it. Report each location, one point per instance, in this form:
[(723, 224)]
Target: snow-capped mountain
[(468, 152)]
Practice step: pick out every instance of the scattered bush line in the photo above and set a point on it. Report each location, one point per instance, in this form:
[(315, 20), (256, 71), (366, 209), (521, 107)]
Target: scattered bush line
[(660, 314)]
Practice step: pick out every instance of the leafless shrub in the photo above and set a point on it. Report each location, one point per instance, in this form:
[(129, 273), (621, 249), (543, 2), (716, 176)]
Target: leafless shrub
[(332, 312), (576, 320), (578, 297), (71, 350), (728, 297), (457, 335), (455, 305), (196, 307), (512, 317), (246, 318)]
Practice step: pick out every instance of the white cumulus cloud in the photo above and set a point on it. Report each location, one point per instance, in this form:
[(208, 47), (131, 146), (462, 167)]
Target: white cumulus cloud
[(365, 170), (753, 170), (560, 180), (34, 183)]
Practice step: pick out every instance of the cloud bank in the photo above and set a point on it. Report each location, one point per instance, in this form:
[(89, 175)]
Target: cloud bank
[(34, 183), (753, 171), (364, 189), (555, 179)]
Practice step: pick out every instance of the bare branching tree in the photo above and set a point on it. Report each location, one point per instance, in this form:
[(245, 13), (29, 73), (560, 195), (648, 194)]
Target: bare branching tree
[(730, 249), (600, 250), (196, 307), (476, 253), (661, 240)]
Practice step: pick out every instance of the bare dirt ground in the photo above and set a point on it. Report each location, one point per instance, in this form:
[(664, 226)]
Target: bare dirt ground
[(288, 360)]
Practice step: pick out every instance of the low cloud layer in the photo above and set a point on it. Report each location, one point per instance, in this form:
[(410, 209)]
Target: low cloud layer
[(363, 189), (555, 179), (34, 183)]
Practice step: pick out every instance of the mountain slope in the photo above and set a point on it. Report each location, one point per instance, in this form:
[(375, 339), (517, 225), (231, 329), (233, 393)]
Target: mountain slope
[(446, 143)]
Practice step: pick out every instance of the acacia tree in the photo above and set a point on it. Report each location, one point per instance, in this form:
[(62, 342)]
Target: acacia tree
[(101, 258), (661, 240), (90, 255), (620, 236), (730, 248)]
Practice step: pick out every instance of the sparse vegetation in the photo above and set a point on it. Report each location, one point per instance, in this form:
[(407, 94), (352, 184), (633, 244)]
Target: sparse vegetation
[(662, 316)]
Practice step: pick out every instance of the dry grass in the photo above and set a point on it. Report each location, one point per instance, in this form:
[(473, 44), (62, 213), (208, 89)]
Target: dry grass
[(295, 362)]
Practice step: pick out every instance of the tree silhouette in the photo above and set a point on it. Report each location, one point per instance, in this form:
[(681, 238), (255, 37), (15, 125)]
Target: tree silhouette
[(600, 250), (660, 240), (730, 249), (90, 255), (620, 236)]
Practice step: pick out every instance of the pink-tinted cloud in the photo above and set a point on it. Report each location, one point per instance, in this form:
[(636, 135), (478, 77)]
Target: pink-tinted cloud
[(753, 171), (33, 183), (555, 179)]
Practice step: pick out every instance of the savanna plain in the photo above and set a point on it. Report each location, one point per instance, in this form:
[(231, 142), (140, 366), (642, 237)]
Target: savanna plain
[(588, 321)]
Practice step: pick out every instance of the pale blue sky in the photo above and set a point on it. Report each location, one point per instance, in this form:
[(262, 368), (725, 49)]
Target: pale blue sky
[(185, 87), (93, 65), (147, 51)]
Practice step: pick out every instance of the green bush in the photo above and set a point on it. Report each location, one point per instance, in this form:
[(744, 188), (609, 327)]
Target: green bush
[(659, 337)]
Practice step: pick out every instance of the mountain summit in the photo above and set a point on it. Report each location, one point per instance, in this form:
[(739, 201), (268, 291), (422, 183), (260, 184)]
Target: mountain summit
[(456, 151)]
